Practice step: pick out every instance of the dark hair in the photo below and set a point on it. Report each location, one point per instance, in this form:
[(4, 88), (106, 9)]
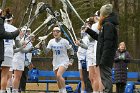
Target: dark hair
[(90, 20), (8, 13)]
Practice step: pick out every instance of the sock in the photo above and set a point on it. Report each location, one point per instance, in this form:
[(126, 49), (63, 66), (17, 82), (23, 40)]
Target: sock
[(101, 91), (2, 91), (63, 90), (8, 90), (14, 90), (82, 91), (96, 92), (60, 91)]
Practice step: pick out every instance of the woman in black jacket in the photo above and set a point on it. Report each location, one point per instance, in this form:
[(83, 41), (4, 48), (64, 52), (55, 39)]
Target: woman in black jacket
[(122, 58), (106, 46)]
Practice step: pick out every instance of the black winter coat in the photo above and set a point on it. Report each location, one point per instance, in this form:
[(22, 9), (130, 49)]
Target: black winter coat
[(5, 35), (107, 41)]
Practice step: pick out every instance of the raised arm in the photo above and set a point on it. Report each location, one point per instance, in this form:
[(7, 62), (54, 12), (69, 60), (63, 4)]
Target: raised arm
[(7, 35), (18, 46), (21, 47), (81, 44), (92, 33)]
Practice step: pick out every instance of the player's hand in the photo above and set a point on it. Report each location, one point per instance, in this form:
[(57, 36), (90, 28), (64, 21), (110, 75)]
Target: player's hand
[(24, 44), (77, 42), (71, 59), (31, 66)]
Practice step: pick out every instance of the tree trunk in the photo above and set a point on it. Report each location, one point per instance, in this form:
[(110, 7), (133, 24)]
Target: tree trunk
[(3, 4), (125, 28), (137, 29)]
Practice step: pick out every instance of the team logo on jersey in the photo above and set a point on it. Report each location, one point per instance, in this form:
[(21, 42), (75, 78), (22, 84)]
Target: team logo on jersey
[(57, 47)]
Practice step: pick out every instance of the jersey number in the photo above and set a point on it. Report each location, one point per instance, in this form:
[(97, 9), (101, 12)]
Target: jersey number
[(57, 52)]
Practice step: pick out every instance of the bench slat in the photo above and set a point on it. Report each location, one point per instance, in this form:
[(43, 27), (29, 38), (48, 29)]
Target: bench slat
[(71, 74), (54, 81), (132, 74), (45, 73)]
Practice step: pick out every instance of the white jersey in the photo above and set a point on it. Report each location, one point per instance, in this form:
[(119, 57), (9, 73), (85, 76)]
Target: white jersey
[(94, 27), (91, 51), (81, 53), (8, 43), (19, 58), (59, 51), (19, 55), (93, 42)]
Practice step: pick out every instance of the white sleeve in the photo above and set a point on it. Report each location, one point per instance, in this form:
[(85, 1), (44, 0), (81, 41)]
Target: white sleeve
[(49, 44), (17, 38), (68, 46)]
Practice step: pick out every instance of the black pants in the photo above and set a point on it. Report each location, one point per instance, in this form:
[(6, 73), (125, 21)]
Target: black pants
[(106, 78), (22, 86), (87, 82), (120, 87)]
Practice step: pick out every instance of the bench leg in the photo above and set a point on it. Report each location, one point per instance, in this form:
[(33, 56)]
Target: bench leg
[(47, 87)]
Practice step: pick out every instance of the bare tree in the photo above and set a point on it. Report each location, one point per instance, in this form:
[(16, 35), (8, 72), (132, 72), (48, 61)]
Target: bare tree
[(116, 6), (137, 26), (3, 4)]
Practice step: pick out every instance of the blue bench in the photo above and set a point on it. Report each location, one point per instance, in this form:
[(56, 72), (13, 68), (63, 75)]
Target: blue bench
[(72, 77), (133, 75), (132, 81)]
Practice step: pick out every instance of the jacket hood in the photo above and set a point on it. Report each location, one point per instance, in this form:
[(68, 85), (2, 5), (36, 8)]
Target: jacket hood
[(112, 18)]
